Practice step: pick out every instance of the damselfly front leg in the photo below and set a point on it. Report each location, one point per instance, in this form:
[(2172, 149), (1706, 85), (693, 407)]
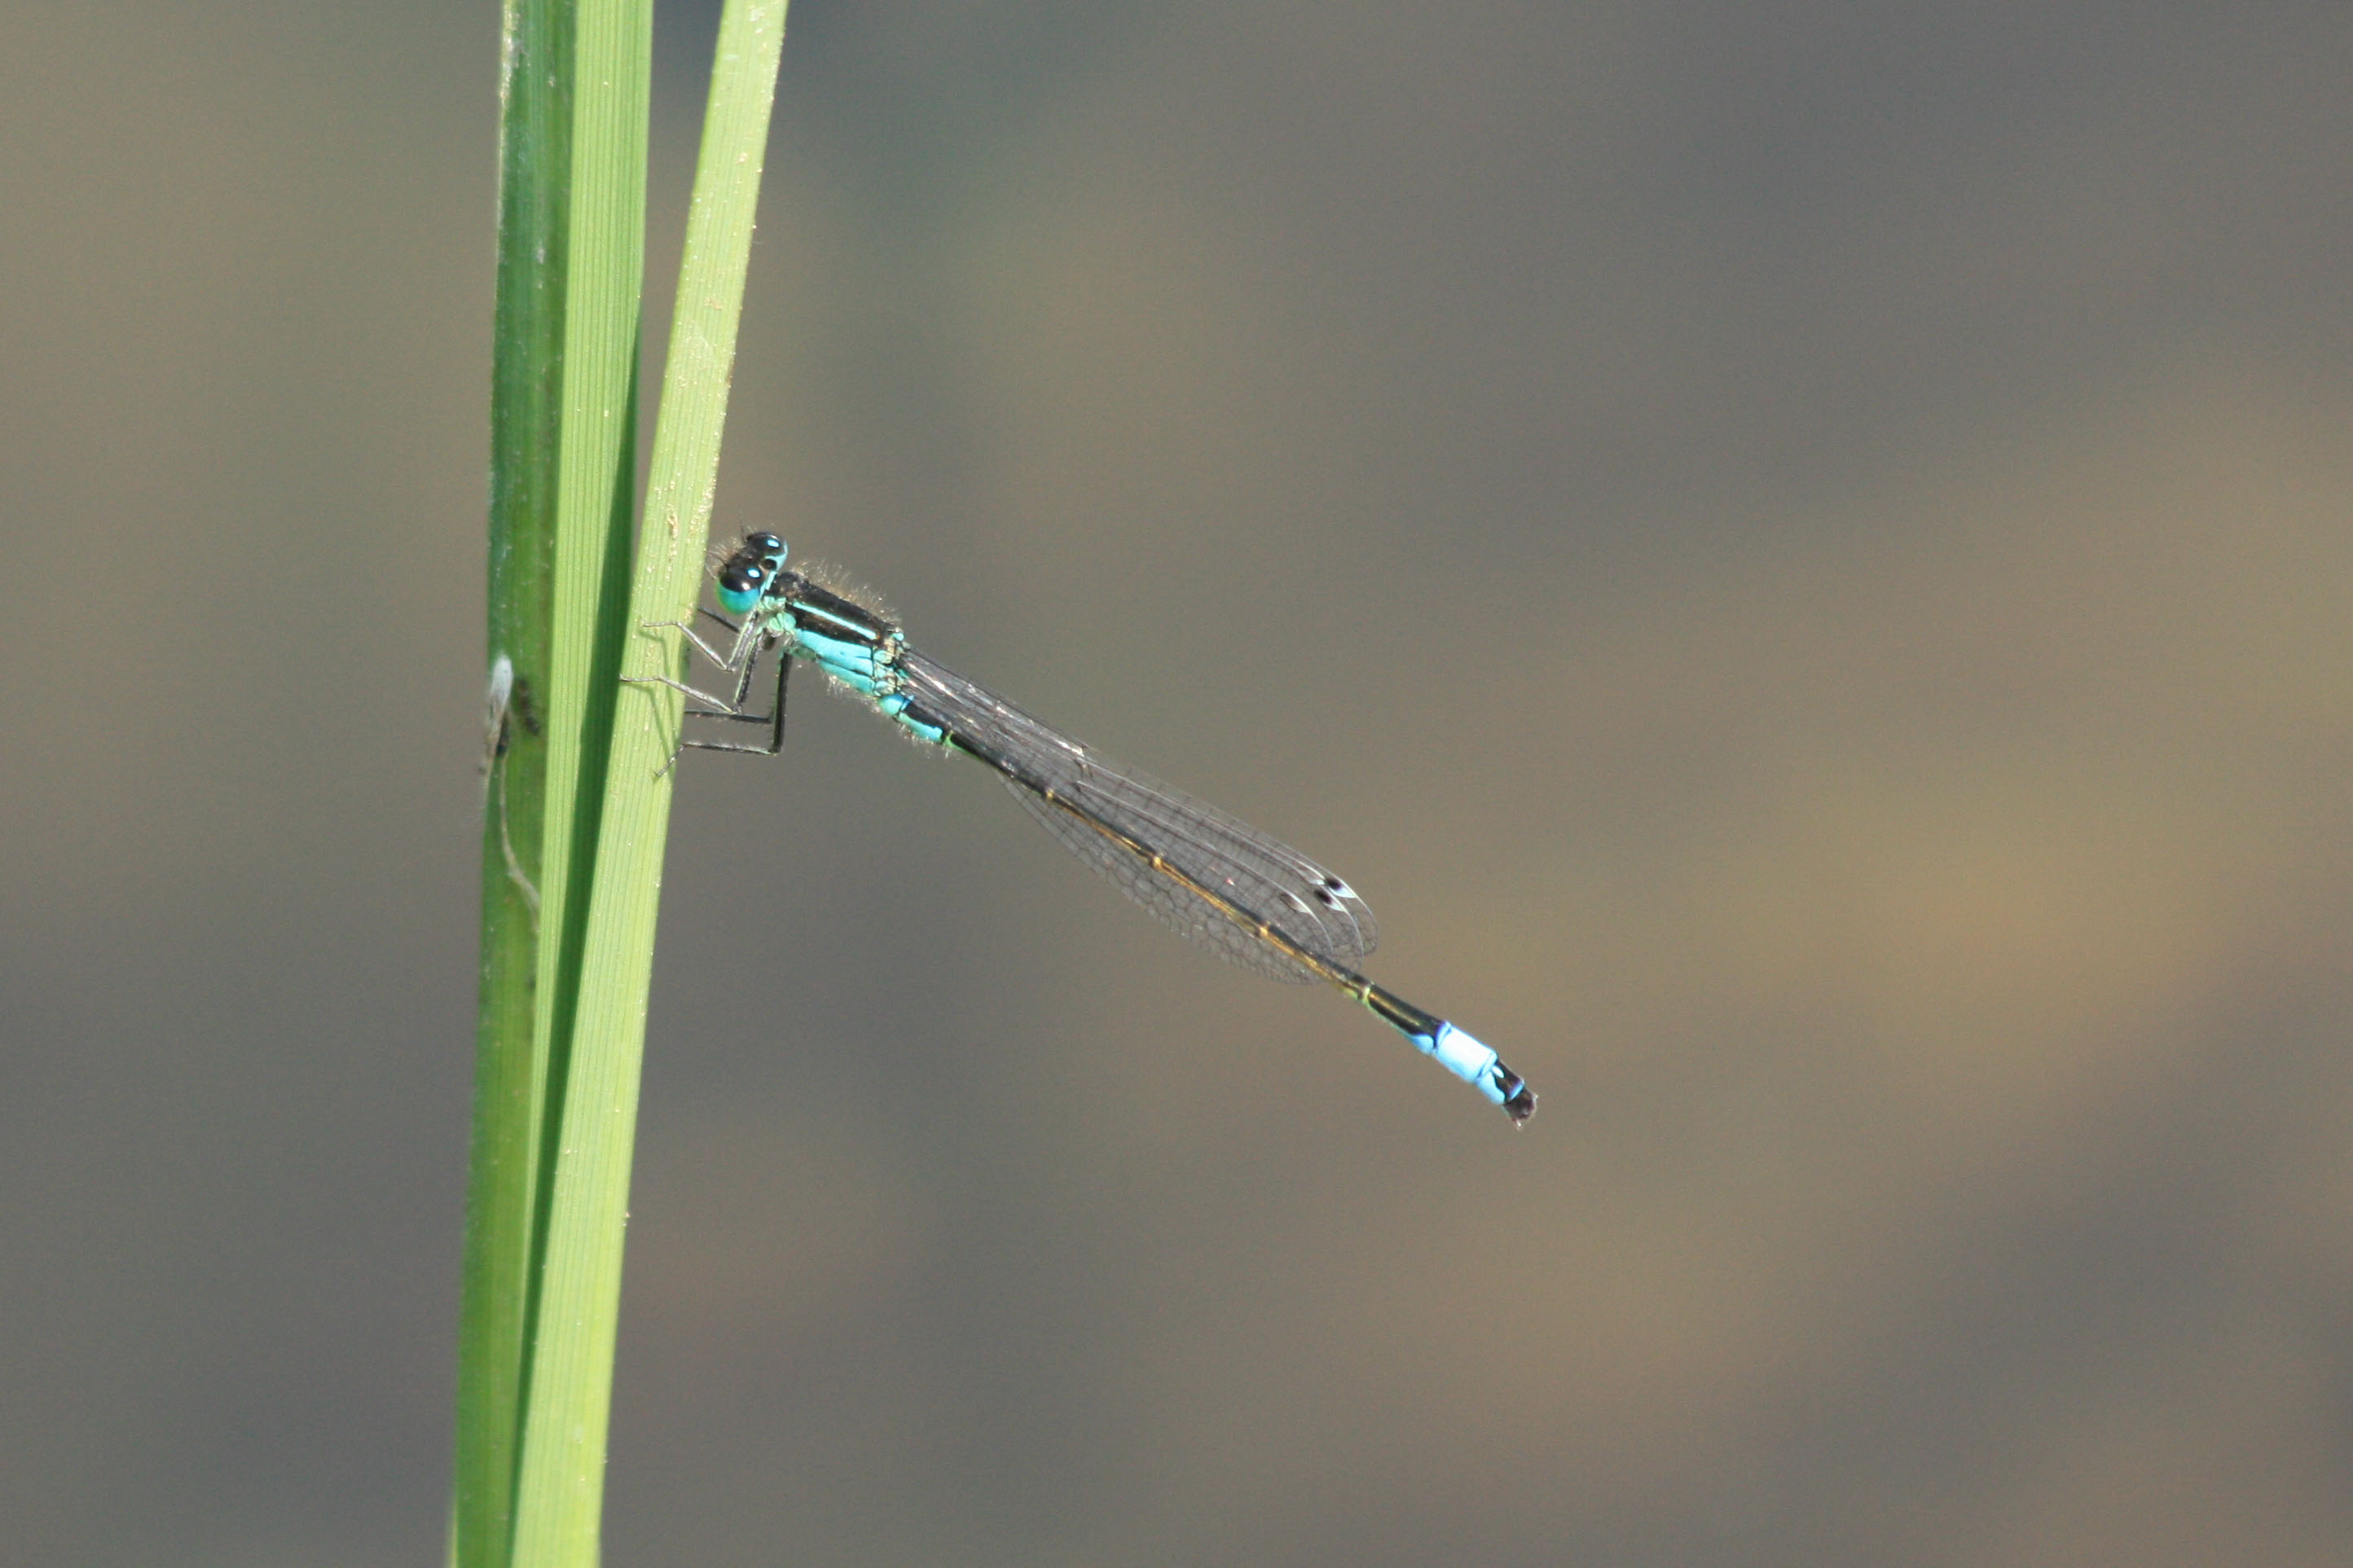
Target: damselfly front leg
[(720, 707)]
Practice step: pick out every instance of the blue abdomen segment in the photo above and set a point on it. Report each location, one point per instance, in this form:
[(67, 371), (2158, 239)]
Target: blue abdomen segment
[(1458, 1051), (924, 726), (1475, 1064)]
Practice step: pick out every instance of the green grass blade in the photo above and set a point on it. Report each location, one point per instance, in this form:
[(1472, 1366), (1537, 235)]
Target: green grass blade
[(607, 937), (526, 406), (557, 1478)]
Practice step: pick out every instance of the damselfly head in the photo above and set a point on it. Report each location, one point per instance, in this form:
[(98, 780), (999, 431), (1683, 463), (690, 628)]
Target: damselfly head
[(745, 575)]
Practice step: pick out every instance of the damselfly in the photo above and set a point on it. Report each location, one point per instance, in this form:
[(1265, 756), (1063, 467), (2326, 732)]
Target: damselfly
[(1223, 883)]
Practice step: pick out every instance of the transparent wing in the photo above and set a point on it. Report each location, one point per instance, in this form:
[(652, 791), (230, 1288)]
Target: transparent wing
[(1202, 850)]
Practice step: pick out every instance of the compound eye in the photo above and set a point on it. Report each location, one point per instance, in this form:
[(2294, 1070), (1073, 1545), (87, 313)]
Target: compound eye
[(740, 582), (766, 546)]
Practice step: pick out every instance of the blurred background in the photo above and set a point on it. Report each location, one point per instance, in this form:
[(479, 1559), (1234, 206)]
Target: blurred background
[(1799, 554)]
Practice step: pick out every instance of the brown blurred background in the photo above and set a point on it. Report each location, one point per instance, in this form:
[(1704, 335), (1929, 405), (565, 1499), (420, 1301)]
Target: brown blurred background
[(1798, 553)]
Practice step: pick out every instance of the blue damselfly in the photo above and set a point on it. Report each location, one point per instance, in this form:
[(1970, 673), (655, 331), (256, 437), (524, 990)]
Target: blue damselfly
[(1248, 898)]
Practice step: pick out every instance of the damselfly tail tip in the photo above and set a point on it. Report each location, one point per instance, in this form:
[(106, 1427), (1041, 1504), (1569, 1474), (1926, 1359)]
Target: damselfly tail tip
[(1476, 1064), (1519, 1100)]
